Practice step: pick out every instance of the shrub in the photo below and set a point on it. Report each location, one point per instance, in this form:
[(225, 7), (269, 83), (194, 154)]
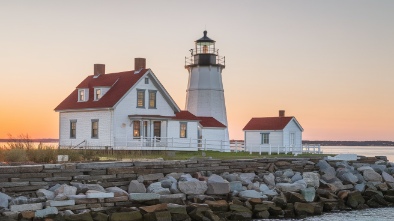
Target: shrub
[(15, 155)]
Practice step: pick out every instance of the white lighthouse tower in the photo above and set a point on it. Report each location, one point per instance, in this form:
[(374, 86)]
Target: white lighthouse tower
[(205, 94)]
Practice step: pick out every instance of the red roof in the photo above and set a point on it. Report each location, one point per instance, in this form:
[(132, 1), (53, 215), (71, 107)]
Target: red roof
[(204, 121), (120, 83), (268, 123), (210, 122)]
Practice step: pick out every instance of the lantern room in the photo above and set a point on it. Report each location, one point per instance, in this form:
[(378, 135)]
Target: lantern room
[(205, 45)]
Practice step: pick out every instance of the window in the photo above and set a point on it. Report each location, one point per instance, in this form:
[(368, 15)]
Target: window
[(157, 129), (183, 130), (265, 138), (73, 129), (141, 98), (95, 126), (97, 94), (81, 95), (152, 99), (146, 80), (136, 129)]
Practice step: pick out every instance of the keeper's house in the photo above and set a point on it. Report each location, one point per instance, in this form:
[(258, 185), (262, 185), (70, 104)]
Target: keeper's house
[(265, 133), (129, 110)]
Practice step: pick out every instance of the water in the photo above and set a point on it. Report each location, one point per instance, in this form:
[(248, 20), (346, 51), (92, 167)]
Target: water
[(380, 214), (368, 151)]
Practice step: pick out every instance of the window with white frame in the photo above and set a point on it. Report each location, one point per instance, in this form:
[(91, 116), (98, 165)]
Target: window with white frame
[(140, 98), (152, 99), (136, 129), (146, 80), (97, 94), (183, 130), (265, 138), (81, 95), (95, 128), (73, 129)]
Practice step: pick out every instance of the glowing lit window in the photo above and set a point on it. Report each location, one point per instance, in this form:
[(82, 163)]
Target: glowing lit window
[(136, 129), (141, 98), (183, 130), (81, 95), (152, 99)]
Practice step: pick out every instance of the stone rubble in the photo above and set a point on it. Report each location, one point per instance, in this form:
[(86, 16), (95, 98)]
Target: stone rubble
[(198, 190)]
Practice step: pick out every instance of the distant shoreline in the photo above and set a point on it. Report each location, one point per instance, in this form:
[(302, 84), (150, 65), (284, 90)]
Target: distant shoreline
[(321, 142)]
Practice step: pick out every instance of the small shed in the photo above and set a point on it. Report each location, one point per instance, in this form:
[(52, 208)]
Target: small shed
[(276, 134)]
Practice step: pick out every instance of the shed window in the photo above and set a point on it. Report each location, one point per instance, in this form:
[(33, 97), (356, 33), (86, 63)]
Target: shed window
[(73, 129), (265, 138)]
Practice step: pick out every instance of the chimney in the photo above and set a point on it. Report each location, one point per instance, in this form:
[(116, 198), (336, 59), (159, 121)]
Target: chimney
[(281, 113), (139, 63), (99, 69)]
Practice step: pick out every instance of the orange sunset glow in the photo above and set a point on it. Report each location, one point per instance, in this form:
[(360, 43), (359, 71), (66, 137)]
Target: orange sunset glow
[(328, 63)]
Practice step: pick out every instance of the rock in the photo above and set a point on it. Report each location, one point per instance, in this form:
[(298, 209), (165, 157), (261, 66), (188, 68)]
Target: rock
[(329, 177), (360, 187), (382, 186), (280, 201), (141, 197), (187, 177), (371, 175), (379, 168), (126, 216), (4, 200), (220, 205), (230, 177), (178, 198), (82, 188), (293, 197), (174, 188), (250, 194), (100, 216), (309, 194), (46, 212), (176, 176), (265, 190), (296, 177), (236, 186), (66, 190), (46, 193), (362, 168), (325, 167), (176, 209), (292, 187), (288, 173), (98, 194), (246, 178), (276, 211), (157, 188), (311, 179), (117, 191), (154, 208), (354, 199), (192, 187), (166, 183), (269, 179), (150, 177), (136, 187), (303, 209), (24, 207), (79, 217), (217, 185), (347, 177), (262, 214), (387, 177), (61, 197), (27, 215), (61, 203)]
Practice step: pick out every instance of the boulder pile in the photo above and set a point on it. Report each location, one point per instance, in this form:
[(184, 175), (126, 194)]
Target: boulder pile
[(281, 192)]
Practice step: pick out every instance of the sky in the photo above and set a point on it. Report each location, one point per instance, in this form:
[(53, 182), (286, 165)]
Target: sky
[(328, 63)]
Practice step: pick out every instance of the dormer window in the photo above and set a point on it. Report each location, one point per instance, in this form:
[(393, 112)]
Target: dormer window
[(97, 94), (83, 95)]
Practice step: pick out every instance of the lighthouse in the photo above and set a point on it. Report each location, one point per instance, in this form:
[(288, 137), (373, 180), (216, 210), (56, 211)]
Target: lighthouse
[(205, 93)]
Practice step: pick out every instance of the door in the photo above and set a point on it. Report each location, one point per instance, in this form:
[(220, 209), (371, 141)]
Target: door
[(292, 139), (157, 129)]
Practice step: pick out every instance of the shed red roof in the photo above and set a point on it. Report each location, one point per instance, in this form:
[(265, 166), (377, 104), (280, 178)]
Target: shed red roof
[(204, 121), (120, 83), (267, 123)]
